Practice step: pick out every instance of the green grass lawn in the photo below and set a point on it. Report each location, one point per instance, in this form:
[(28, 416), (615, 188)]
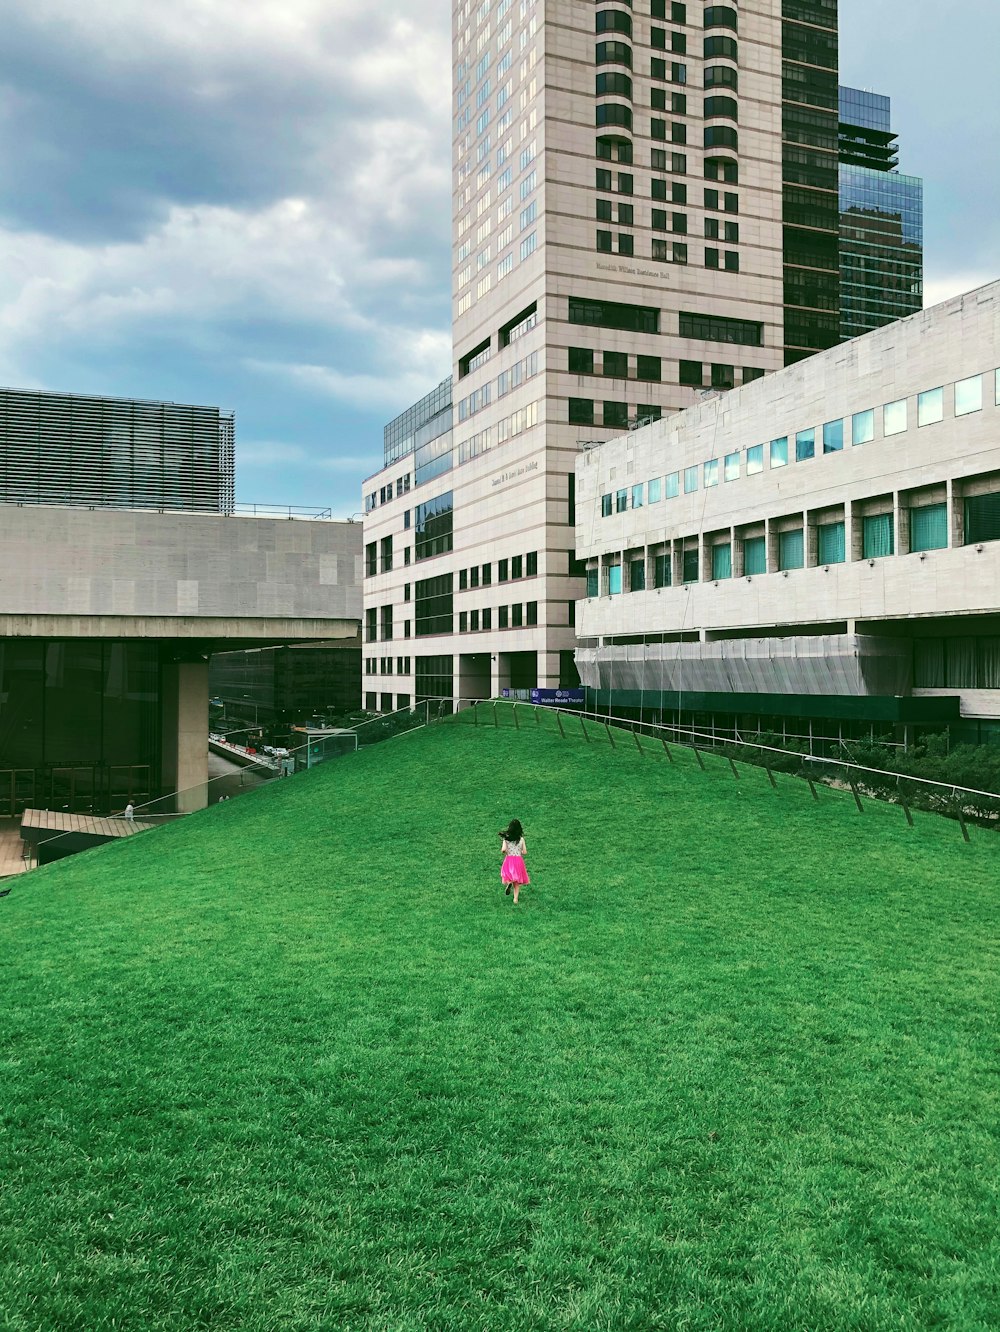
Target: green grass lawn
[(297, 1063)]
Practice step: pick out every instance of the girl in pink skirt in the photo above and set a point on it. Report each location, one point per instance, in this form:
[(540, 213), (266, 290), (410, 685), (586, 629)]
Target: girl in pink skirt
[(512, 871)]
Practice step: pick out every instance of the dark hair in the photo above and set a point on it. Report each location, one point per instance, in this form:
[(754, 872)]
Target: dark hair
[(514, 832)]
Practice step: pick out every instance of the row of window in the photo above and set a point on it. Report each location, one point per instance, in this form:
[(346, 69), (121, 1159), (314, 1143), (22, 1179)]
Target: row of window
[(385, 493), (804, 444), (383, 702), (481, 575), (690, 560), (615, 365), (675, 252), (713, 136), (383, 665), (517, 616), (663, 39)]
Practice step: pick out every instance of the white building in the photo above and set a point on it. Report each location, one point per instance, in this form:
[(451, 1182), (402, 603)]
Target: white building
[(619, 247), (820, 549)]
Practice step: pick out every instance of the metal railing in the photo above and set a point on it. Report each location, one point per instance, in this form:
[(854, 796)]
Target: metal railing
[(962, 803), (280, 511)]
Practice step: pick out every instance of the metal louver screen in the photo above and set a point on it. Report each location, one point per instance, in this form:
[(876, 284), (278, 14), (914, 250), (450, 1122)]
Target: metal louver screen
[(67, 449), (982, 518)]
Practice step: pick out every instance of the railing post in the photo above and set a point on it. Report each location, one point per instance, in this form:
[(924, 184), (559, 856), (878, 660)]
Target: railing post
[(770, 776), (666, 749), (734, 768), (495, 722), (538, 720), (857, 798), (697, 754), (638, 745), (812, 788), (560, 725), (961, 822), (475, 712), (517, 724), (610, 736), (583, 728)]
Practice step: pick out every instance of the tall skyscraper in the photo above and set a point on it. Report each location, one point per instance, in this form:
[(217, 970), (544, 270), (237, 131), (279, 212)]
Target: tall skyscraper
[(881, 220), (625, 240)]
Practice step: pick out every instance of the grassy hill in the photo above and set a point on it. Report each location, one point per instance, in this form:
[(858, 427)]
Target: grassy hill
[(297, 1063)]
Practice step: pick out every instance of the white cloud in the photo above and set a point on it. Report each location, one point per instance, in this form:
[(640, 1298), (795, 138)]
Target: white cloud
[(944, 287)]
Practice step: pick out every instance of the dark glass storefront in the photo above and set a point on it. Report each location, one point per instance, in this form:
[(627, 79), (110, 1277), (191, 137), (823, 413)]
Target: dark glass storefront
[(79, 724)]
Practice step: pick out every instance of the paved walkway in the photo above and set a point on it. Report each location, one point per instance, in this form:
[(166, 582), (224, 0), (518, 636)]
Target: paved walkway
[(11, 848)]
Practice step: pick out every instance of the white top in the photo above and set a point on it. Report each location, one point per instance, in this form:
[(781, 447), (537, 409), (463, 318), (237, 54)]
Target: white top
[(515, 848)]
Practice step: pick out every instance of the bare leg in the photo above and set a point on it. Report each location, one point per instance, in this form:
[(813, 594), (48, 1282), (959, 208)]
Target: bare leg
[(517, 889)]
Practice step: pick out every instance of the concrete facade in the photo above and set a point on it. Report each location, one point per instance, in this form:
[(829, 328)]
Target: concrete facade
[(110, 616), (841, 509), (598, 230)]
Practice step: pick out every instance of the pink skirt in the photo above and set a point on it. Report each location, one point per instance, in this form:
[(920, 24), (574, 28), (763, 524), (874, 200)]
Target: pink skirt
[(512, 870)]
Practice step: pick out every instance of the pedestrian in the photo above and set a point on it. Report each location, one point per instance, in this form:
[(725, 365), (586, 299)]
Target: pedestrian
[(130, 811), (512, 872)]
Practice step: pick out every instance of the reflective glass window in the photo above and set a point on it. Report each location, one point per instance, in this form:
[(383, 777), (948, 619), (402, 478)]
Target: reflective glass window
[(711, 473), (722, 561), (615, 579), (929, 527), (833, 436), (830, 543), (755, 459), (654, 490), (731, 467), (779, 452), (930, 407), (690, 480), (894, 417), (672, 484), (863, 426), (805, 445), (877, 536), (969, 395), (754, 556), (638, 494), (791, 549)]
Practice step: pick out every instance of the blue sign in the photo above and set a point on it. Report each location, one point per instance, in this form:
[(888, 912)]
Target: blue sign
[(564, 697)]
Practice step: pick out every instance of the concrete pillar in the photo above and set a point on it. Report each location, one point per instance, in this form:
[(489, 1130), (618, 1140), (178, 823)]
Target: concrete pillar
[(184, 704)]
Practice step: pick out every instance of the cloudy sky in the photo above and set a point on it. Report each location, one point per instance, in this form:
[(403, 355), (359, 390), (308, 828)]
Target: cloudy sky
[(247, 204)]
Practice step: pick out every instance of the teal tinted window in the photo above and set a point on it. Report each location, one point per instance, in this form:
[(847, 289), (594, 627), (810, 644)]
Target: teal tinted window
[(830, 543), (722, 561), (672, 484), (754, 556), (863, 427), (929, 527), (755, 459), (779, 452), (969, 395), (638, 494), (732, 467), (805, 445), (877, 537), (930, 407), (791, 549), (833, 436), (591, 582), (615, 579), (605, 506), (690, 479), (711, 473), (982, 518), (894, 417), (655, 490)]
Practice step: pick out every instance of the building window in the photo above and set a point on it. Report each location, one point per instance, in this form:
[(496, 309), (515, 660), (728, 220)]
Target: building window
[(661, 571), (614, 579), (894, 417), (581, 411), (711, 258), (616, 365), (433, 605), (371, 558), (672, 485), (516, 567), (371, 624), (752, 372), (487, 575), (531, 612), (805, 445), (732, 261), (710, 473), (591, 582), (603, 178), (680, 253), (877, 536), (691, 373), (605, 506), (638, 492), (723, 377), (969, 395), (648, 368), (433, 523), (863, 427), (604, 241), (711, 228), (474, 621), (626, 243), (621, 501), (654, 490), (929, 527), (626, 214), (463, 579), (791, 549), (716, 328), (463, 622), (474, 576), (616, 415), (690, 572), (982, 518), (830, 543), (603, 210), (503, 617), (613, 314), (755, 459), (754, 556), (581, 361), (731, 467), (722, 561), (503, 574), (637, 576), (690, 480), (833, 436), (487, 617), (930, 406), (779, 452), (626, 183), (371, 704)]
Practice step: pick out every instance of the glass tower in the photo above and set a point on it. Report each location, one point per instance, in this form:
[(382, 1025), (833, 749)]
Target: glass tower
[(881, 220)]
